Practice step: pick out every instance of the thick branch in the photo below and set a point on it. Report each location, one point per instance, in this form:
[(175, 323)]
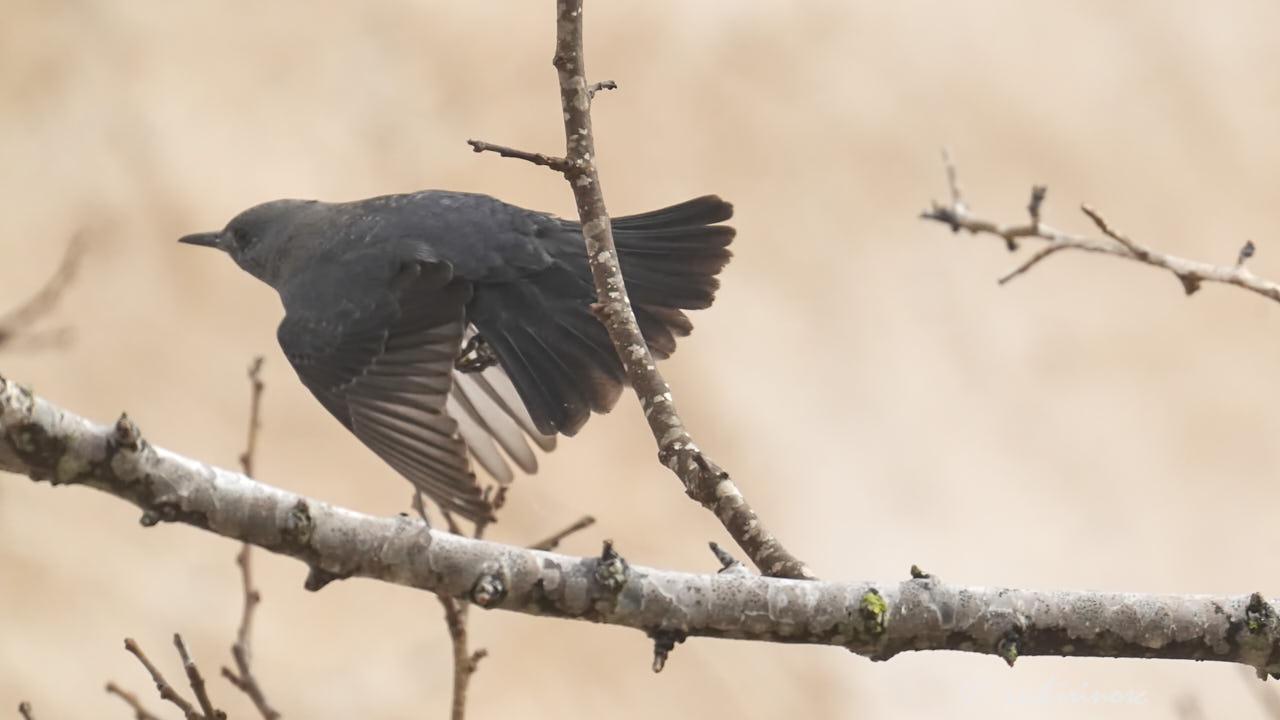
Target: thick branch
[(1190, 273), (873, 619)]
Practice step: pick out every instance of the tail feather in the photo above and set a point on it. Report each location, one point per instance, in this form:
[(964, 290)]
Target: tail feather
[(700, 211), (556, 352)]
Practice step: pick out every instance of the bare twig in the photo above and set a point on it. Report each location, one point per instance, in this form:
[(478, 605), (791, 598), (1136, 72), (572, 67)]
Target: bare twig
[(703, 480), (24, 709), (552, 542), (455, 620), (1190, 273), (167, 691), (558, 164), (727, 560), (14, 322), (196, 680), (255, 423), (602, 85), (243, 678), (464, 662), (139, 711)]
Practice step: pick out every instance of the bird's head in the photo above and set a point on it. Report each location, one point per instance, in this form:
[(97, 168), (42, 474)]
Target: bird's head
[(257, 237)]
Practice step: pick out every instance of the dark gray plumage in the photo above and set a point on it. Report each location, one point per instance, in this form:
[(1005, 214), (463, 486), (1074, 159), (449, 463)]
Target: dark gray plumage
[(380, 294)]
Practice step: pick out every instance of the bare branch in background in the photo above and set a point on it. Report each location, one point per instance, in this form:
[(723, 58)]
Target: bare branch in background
[(876, 619), (243, 677), (456, 609), (167, 691), (196, 681), (24, 709), (15, 324), (140, 712), (255, 422), (552, 542), (1190, 273), (703, 480)]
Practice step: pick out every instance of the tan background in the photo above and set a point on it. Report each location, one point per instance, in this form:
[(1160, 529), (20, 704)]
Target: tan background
[(880, 399)]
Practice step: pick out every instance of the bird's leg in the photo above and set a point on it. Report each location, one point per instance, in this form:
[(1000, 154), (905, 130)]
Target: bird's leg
[(475, 356)]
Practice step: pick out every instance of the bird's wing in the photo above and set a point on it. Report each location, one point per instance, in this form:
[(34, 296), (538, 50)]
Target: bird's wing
[(488, 409), (383, 365)]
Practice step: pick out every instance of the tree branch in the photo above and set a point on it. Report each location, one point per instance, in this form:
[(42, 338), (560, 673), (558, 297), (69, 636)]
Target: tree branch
[(1190, 273), (703, 480), (878, 620), (13, 324)]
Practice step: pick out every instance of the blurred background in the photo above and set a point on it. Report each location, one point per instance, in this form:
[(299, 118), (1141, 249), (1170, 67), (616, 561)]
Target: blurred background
[(876, 395)]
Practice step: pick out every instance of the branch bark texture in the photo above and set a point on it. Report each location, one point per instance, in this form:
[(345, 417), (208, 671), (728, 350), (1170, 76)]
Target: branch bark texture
[(704, 481), (1190, 273), (875, 619)]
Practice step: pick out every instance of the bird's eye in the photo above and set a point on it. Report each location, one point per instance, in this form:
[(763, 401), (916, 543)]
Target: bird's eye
[(240, 238)]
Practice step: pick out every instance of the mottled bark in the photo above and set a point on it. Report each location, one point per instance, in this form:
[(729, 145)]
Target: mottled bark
[(703, 480), (876, 619)]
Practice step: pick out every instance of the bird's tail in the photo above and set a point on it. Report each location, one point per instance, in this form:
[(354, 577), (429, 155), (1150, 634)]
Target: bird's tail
[(557, 353)]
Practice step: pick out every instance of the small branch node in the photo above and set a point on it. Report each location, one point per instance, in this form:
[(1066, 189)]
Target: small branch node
[(1246, 252), (1190, 283), (728, 564), (602, 85), (611, 569), (958, 207), (489, 590), (1033, 207), (318, 577), (664, 641), (1007, 648), (127, 435)]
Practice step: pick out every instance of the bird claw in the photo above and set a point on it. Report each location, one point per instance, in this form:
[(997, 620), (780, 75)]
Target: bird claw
[(475, 356)]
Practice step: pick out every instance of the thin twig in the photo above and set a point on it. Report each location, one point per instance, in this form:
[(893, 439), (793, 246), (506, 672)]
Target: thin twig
[(1190, 273), (465, 662), (558, 164), (602, 85), (24, 709), (552, 542), (167, 691), (243, 678), (196, 680), (255, 425), (44, 300), (704, 481), (139, 711)]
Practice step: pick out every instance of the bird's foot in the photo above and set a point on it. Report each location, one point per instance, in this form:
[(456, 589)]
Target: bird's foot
[(475, 356)]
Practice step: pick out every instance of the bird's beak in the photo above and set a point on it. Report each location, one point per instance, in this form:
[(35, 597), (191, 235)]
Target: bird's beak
[(207, 239)]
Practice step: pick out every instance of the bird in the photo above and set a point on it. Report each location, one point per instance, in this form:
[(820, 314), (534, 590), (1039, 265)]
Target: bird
[(440, 326)]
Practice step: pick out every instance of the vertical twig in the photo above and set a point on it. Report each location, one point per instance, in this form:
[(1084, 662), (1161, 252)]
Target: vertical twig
[(703, 480), (244, 679), (465, 662)]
